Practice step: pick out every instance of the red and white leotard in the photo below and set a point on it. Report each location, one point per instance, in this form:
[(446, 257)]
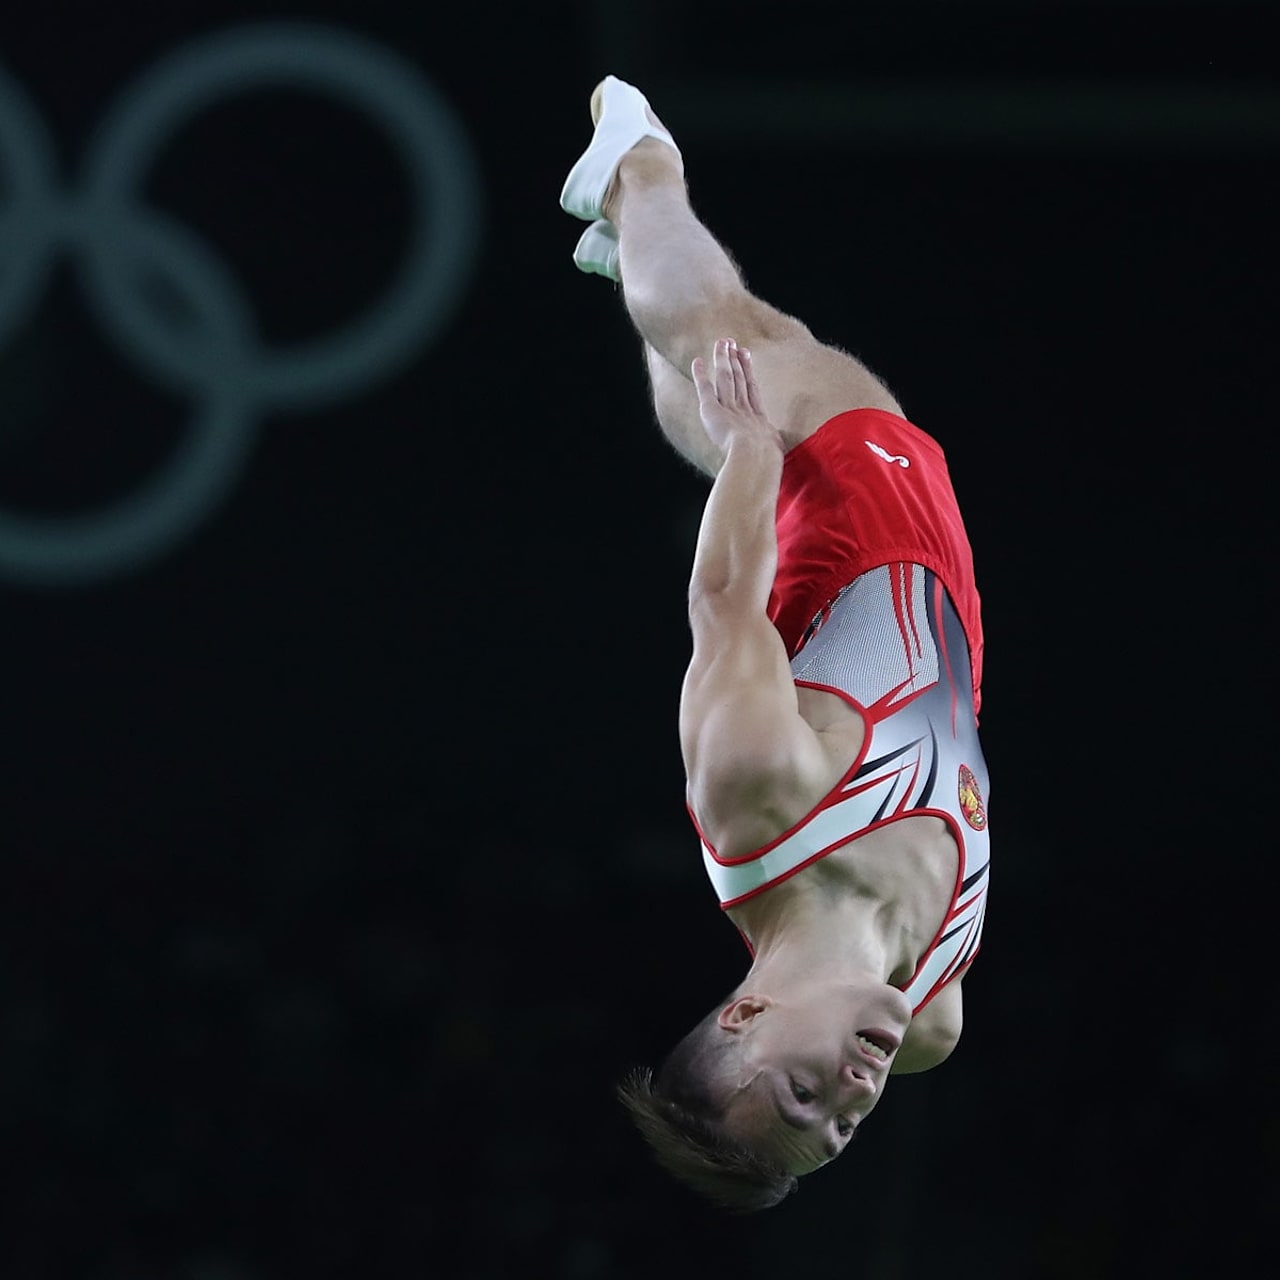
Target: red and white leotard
[(898, 637)]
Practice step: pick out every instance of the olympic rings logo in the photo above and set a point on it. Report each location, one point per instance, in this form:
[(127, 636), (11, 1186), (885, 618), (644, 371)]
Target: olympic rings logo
[(231, 377)]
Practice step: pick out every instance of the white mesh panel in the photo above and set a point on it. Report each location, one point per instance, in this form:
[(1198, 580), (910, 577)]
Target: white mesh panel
[(875, 637)]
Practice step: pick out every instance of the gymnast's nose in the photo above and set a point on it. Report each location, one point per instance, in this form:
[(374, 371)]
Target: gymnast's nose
[(854, 1082)]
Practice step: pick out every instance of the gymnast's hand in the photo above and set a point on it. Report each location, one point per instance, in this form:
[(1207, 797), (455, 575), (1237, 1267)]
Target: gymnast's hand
[(729, 398)]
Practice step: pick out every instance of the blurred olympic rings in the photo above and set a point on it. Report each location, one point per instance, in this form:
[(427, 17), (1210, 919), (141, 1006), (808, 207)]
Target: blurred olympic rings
[(218, 361)]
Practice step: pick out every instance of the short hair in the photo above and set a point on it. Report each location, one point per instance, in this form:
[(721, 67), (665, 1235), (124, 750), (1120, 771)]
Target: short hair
[(680, 1112)]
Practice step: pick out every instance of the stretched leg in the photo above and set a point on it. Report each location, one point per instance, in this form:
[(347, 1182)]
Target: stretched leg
[(682, 291)]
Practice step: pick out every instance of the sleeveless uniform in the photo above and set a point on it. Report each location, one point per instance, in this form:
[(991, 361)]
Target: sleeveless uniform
[(876, 602)]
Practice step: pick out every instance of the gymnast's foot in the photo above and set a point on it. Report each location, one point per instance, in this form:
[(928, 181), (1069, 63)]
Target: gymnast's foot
[(597, 250), (623, 119)]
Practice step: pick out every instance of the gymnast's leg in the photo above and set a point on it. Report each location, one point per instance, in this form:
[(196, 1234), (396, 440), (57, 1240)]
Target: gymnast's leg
[(675, 404), (682, 291)]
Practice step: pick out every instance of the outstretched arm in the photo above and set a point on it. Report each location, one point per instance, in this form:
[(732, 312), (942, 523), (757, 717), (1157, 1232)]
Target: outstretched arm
[(749, 755)]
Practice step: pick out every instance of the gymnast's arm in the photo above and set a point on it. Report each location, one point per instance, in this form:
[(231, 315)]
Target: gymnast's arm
[(748, 752)]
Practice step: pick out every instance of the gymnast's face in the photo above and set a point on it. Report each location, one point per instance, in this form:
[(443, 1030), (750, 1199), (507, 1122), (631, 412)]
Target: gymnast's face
[(811, 1068)]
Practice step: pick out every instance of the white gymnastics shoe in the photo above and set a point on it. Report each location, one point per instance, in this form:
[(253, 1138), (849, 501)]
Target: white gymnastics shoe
[(597, 251), (620, 113)]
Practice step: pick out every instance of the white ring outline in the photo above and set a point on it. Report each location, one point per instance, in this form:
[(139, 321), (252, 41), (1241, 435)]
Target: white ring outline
[(111, 235)]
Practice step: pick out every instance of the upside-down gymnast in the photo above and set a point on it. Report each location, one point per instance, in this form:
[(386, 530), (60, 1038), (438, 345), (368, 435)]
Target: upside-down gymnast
[(829, 714)]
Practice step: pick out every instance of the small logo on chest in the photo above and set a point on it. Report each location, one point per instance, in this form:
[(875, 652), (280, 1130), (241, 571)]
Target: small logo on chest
[(975, 812)]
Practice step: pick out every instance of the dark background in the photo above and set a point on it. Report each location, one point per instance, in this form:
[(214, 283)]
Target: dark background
[(345, 866)]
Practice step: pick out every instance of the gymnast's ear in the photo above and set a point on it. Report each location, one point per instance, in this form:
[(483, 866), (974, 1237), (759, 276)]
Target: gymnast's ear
[(742, 1011)]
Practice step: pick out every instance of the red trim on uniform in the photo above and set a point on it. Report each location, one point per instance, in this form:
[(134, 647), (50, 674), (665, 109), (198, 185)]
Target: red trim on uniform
[(885, 705), (901, 608), (964, 904), (952, 826), (946, 980), (949, 915), (933, 991), (909, 595), (964, 968), (832, 796), (809, 861)]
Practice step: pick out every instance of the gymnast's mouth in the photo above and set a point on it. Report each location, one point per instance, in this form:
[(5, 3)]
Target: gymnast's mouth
[(876, 1045)]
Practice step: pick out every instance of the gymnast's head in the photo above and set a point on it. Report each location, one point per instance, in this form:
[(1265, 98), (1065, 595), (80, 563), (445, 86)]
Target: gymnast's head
[(767, 1088)]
